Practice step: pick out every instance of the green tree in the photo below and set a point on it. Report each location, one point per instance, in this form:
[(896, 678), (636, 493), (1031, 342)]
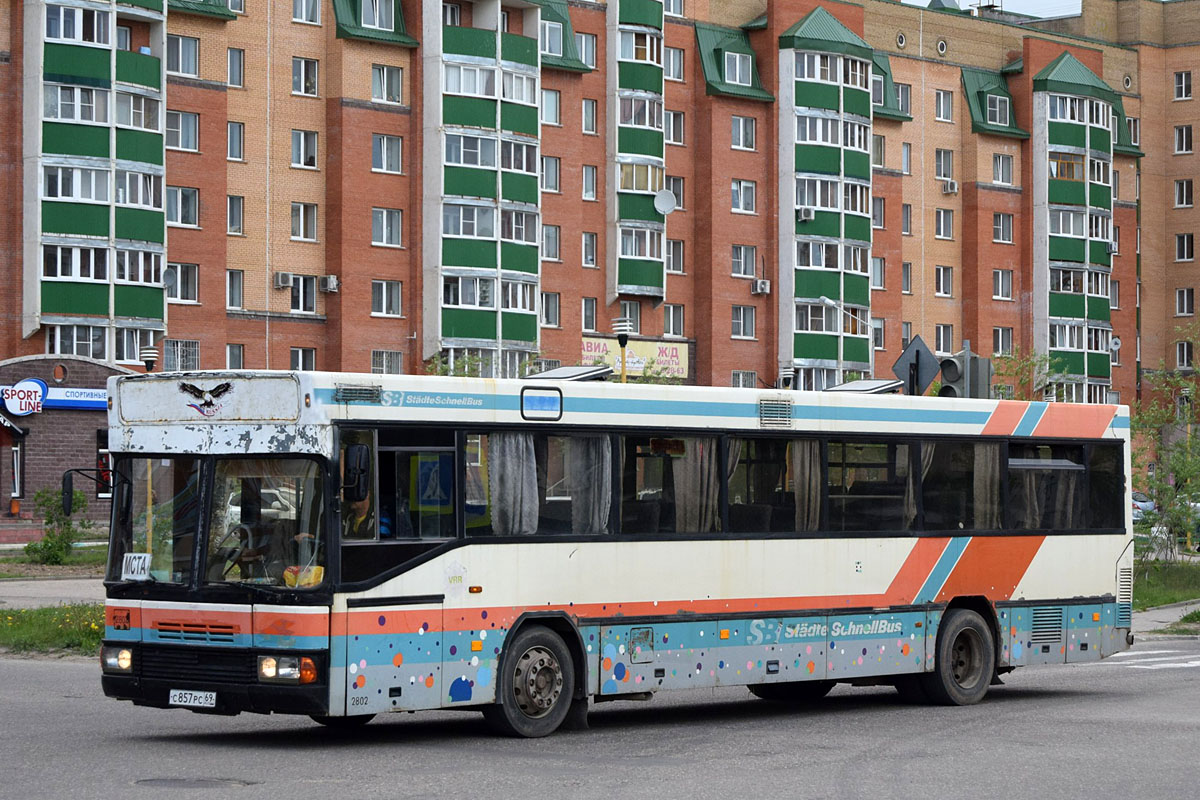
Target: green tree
[(1028, 373)]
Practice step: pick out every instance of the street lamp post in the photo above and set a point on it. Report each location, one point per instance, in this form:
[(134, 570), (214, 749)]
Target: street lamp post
[(622, 327)]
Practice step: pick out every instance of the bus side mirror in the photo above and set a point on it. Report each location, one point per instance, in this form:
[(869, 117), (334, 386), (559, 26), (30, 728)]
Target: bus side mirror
[(357, 462), (68, 493)]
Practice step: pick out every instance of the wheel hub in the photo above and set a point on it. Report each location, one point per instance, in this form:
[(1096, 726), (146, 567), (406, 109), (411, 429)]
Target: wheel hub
[(537, 682), (967, 658)]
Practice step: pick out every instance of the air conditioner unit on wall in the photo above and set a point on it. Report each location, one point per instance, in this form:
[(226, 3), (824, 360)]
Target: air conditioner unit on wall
[(806, 214), (949, 187), (328, 283), (283, 280), (1111, 247), (760, 286)]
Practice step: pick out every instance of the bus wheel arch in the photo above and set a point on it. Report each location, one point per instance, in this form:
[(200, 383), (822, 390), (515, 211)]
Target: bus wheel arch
[(984, 608), (540, 645), (965, 660)]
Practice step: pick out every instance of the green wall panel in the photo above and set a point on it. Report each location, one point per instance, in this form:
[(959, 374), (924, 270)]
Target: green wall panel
[(641, 12), (74, 140), (470, 182), (1067, 133), (1098, 253), (814, 283), (857, 288), (140, 146), (858, 165), (818, 158), (469, 253), (138, 301), (1100, 195), (87, 65), (68, 297), (1063, 248), (138, 68), (636, 75), (816, 345), (641, 141), (519, 257), (856, 349), (857, 228), (1098, 365), (140, 224), (1097, 308), (1067, 305), (519, 187), (856, 101), (637, 206), (518, 326), (477, 112), (634, 272), (1099, 139), (817, 95), (519, 118), (469, 41), (520, 49), (1069, 192), (81, 218), (1067, 361), (468, 323), (824, 223)]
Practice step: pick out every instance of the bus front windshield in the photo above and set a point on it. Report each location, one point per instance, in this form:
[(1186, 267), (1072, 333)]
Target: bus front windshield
[(265, 523), (158, 516)]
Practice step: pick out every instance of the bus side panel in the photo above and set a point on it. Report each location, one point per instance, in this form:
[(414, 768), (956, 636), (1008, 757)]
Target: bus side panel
[(392, 659), (1036, 634), (123, 620), (865, 645), (471, 654), (1087, 627)]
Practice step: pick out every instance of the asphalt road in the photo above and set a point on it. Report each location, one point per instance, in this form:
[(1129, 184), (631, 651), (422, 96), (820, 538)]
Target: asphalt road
[(1127, 727)]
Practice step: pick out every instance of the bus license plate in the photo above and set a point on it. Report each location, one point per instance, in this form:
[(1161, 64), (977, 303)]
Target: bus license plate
[(186, 697)]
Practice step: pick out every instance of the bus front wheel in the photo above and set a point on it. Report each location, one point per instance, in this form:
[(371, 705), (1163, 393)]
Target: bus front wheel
[(966, 658), (535, 687)]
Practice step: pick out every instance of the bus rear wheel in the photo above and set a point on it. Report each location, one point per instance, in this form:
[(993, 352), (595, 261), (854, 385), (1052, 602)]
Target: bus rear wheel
[(535, 687), (966, 659), (796, 692)]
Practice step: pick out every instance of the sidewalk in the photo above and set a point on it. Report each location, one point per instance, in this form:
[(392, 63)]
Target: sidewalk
[(1152, 619)]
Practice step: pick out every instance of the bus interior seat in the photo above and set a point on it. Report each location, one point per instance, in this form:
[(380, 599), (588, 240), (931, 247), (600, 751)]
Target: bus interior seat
[(749, 518), (640, 516)]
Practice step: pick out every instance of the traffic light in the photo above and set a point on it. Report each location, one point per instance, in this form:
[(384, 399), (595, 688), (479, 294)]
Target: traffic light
[(965, 374)]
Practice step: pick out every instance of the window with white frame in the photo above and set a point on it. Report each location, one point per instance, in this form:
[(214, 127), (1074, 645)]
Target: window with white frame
[(640, 46), (943, 285), (1002, 228), (304, 76), (1114, 294), (1065, 109), (385, 298), (386, 82), (1100, 227), (519, 157), (304, 149), (906, 277), (1002, 341), (1183, 139), (743, 322), (1099, 171), (1065, 336), (588, 249), (235, 67), (943, 105), (387, 362), (815, 67), (816, 254), (551, 243), (1070, 281), (943, 164), (1002, 284), (128, 344), (181, 355), (1064, 222), (1100, 114), (468, 291), (944, 339), (742, 134), (906, 219), (378, 14), (589, 116), (817, 193), (877, 92), (877, 330), (78, 340), (183, 55), (739, 68), (585, 43), (904, 97), (675, 256), (304, 221), (743, 260), (473, 221), (67, 24), (451, 14), (1183, 85), (589, 182), (588, 314), (905, 334), (306, 11), (1183, 355), (819, 130), (235, 356), (1002, 169), (1185, 302), (468, 80), (304, 294), (551, 107), (856, 136), (386, 224), (877, 271), (74, 104), (1135, 130), (303, 359), (672, 320), (854, 259), (183, 206), (855, 73), (641, 112), (817, 318), (235, 141), (632, 311), (641, 243), (997, 110), (138, 266), (63, 262), (641, 178), (673, 127), (137, 111), (386, 151), (550, 316), (744, 379), (906, 158), (183, 283), (551, 39), (1185, 247), (80, 184), (518, 226), (742, 199), (878, 208), (1097, 283), (673, 64), (235, 282), (1183, 193), (517, 295), (234, 214), (551, 174), (519, 88), (673, 8)]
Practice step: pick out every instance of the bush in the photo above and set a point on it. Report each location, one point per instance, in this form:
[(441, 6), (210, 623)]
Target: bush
[(59, 530)]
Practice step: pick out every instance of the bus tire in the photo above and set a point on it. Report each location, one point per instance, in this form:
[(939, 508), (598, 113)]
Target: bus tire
[(535, 687), (795, 692), (342, 723), (911, 689), (966, 659)]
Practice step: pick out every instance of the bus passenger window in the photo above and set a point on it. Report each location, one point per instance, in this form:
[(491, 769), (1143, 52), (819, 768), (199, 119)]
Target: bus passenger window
[(960, 485), (358, 517), (1106, 486), (1045, 486), (670, 485), (775, 485), (870, 487)]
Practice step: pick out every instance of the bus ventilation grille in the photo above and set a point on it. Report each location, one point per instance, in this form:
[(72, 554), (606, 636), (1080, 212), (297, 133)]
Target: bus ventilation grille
[(1124, 597), (1047, 625), (774, 412), (196, 664), (343, 393), (195, 632)]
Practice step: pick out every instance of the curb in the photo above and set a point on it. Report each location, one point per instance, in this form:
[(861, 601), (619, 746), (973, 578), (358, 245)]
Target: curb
[(1180, 604), (97, 578)]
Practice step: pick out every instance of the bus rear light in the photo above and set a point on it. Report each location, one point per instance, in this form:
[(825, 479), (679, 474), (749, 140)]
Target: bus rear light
[(116, 659), (287, 669)]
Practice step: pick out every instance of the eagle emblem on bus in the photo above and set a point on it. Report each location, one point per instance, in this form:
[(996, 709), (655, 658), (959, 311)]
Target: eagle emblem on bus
[(207, 398)]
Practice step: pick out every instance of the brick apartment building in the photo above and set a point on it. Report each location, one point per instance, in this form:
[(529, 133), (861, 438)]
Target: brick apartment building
[(366, 185)]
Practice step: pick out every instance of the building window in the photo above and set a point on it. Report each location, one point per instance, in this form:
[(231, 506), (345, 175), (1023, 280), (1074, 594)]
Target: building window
[(876, 89), (377, 14), (304, 76), (742, 196), (183, 55), (943, 281), (1185, 302), (1135, 130), (1002, 169), (304, 358), (815, 67), (1002, 341), (944, 223), (906, 158), (235, 141), (632, 311), (79, 340), (743, 322), (551, 239), (943, 165), (1067, 109), (386, 83), (588, 320), (1067, 223), (675, 187), (877, 212), (234, 205), (470, 292), (589, 116), (183, 206), (586, 44), (74, 104), (744, 379), (1183, 85), (589, 182), (137, 111), (304, 222), (673, 127), (944, 339), (997, 110), (1114, 294), (138, 266), (1183, 193), (234, 281), (1002, 288), (1066, 166), (1184, 247), (1002, 228), (906, 219), (386, 224), (588, 251), (183, 130), (878, 150), (124, 34), (1183, 139), (673, 64), (385, 298), (673, 8), (84, 263), (675, 256), (235, 65), (473, 221), (738, 68), (304, 294), (1183, 355), (387, 362), (743, 259), (470, 81), (743, 133), (129, 342), (306, 11), (943, 104), (641, 243), (76, 24), (451, 14), (304, 149), (904, 97), (877, 329), (183, 283), (180, 355), (551, 38), (906, 277), (77, 183), (519, 88), (672, 320), (551, 107), (235, 356), (551, 174), (550, 310), (877, 271), (386, 151), (905, 334)]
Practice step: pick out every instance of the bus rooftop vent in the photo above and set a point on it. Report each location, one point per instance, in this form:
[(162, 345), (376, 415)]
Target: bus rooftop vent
[(774, 412), (349, 393)]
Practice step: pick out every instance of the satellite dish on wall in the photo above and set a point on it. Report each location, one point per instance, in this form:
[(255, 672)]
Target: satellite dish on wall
[(664, 201), (1115, 344)]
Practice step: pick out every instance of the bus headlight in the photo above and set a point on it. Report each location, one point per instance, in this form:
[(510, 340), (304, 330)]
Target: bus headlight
[(116, 659), (287, 669)]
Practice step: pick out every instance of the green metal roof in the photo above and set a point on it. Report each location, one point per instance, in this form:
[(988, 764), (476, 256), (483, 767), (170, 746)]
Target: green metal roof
[(759, 23), (820, 31), (1124, 144), (556, 11), (1068, 75), (201, 8), (891, 107), (977, 85), (1014, 67), (347, 16), (713, 42)]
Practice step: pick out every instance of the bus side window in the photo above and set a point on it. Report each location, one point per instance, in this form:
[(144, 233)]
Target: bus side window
[(871, 487), (670, 485), (360, 517), (960, 485), (774, 485), (1106, 486)]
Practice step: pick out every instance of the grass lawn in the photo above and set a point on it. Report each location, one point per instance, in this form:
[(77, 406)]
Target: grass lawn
[(1158, 584), (83, 562), (75, 629), (1189, 625)]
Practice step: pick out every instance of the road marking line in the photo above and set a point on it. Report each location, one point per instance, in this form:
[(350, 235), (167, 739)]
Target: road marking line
[(1151, 660), (1164, 666), (1127, 653)]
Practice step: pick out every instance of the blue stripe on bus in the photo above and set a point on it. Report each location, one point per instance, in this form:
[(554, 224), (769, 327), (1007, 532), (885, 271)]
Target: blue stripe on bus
[(942, 569), (942, 416), (1030, 419)]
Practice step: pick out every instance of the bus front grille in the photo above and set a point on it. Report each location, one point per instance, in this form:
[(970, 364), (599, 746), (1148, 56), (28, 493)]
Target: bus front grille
[(204, 665)]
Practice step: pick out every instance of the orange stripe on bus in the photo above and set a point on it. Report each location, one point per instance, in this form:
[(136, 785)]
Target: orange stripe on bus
[(123, 618), (915, 571), (1075, 420), (1005, 418), (239, 620), (277, 624), (991, 567)]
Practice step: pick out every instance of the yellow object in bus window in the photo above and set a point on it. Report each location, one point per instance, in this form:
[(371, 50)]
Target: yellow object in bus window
[(303, 577)]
